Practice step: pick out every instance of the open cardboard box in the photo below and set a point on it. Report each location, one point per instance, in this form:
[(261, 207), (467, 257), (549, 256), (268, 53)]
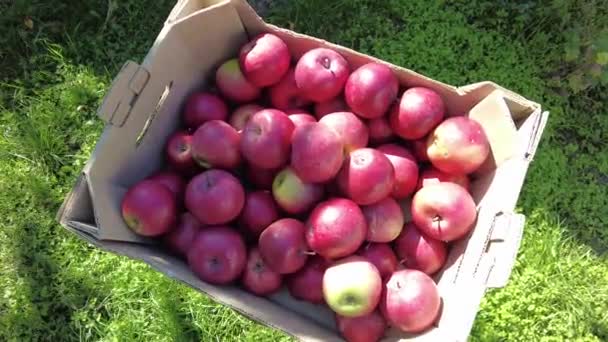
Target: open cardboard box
[(142, 109)]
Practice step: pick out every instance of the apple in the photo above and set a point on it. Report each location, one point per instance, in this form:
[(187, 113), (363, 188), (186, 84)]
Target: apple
[(215, 197), (417, 113), (217, 255), (265, 140), (406, 169), (307, 283), (259, 212), (379, 130), (410, 301), (316, 153), (294, 195), (257, 277), (370, 90), (181, 236), (367, 176), (148, 208), (301, 118), (321, 73), (443, 211), (285, 94), (420, 252), (368, 328), (382, 256), (351, 130), (260, 178), (179, 152), (283, 246), (215, 144), (419, 149), (232, 83), (241, 115), (202, 107), (458, 145), (384, 220), (264, 59), (173, 181), (434, 176), (336, 228), (352, 287), (334, 105)]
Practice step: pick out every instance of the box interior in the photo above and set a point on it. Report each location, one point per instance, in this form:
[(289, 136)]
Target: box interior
[(197, 37)]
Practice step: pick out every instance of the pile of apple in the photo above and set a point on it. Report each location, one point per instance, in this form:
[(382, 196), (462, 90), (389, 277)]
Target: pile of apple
[(259, 192)]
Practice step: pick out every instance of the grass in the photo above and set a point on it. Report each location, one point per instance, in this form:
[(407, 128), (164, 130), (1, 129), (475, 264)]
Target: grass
[(54, 73)]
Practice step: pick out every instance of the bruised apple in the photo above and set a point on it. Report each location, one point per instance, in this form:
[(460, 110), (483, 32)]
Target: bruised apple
[(316, 153), (257, 277), (349, 127), (264, 60), (321, 73), (202, 107), (283, 246), (215, 197), (367, 176), (458, 145), (307, 283), (232, 83), (265, 140), (148, 208), (419, 251), (336, 228), (417, 113), (215, 144), (406, 169), (443, 211), (370, 90), (217, 255)]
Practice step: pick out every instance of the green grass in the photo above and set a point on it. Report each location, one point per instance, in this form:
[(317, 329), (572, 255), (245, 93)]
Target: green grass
[(52, 78)]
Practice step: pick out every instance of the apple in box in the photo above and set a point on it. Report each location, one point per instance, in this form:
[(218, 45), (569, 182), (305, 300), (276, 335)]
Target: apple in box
[(241, 115), (149, 209), (321, 73), (215, 197), (433, 176), (264, 60), (286, 94), (265, 141), (316, 153), (179, 152), (367, 176), (215, 144), (406, 169), (233, 84), (257, 277), (259, 211), (417, 113), (307, 283), (382, 256), (370, 90), (294, 195), (384, 220), (202, 107), (368, 328), (419, 251), (351, 129), (334, 105), (283, 246), (179, 239)]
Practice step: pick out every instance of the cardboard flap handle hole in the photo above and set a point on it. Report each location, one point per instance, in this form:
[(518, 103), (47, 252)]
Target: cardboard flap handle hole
[(157, 108)]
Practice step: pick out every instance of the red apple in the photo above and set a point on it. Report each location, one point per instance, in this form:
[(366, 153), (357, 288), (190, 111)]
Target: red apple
[(215, 197), (215, 144), (419, 149), (307, 283), (417, 113), (367, 176), (232, 83), (384, 220), (257, 277), (334, 105), (202, 107), (217, 255), (261, 178), (352, 287), (180, 238), (443, 211), (179, 152), (321, 73), (173, 181), (351, 130), (283, 246), (410, 301), (370, 90), (336, 228), (406, 169), (434, 176), (420, 252), (259, 212), (285, 94), (458, 145), (241, 115), (368, 328), (149, 208), (301, 119), (264, 60), (316, 153), (265, 141), (382, 256), (379, 130), (294, 195)]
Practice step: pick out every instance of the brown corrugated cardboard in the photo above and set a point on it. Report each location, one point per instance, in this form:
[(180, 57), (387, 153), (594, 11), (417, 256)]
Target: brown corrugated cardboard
[(142, 108)]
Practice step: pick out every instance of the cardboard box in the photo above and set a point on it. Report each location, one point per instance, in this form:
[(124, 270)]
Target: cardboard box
[(142, 108)]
